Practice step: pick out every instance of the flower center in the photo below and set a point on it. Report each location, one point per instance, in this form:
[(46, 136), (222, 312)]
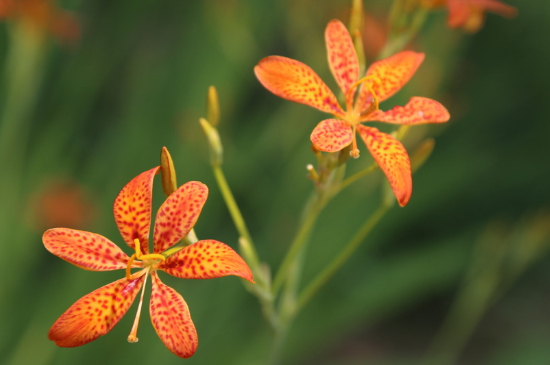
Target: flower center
[(354, 114), (150, 261)]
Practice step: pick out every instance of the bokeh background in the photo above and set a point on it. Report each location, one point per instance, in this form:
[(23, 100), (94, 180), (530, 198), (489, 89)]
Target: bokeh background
[(84, 113)]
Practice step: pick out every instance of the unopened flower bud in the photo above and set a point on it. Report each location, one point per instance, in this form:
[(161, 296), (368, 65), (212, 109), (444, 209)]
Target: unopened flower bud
[(213, 106), (167, 172), (216, 149)]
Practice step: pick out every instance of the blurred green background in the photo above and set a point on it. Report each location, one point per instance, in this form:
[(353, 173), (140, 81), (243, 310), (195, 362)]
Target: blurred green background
[(80, 120)]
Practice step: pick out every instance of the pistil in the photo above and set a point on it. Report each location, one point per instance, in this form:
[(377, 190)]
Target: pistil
[(132, 337)]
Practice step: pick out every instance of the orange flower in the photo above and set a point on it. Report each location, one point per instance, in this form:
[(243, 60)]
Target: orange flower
[(470, 14), (42, 16), (295, 81), (97, 313)]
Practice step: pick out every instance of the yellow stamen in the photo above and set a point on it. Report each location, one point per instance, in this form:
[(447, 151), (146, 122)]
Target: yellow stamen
[(129, 266), (139, 256), (151, 256), (354, 152), (375, 79), (132, 337)]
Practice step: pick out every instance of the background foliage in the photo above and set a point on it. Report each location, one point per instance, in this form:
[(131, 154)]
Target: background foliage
[(136, 81)]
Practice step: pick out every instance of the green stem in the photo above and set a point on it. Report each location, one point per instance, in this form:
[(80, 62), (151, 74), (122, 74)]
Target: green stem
[(353, 178), (313, 209), (235, 212), (329, 271), (399, 39)]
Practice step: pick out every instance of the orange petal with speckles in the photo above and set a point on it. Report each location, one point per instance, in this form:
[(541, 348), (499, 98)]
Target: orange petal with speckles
[(392, 158), (94, 314), (295, 81), (393, 73), (342, 57), (206, 259), (178, 214), (86, 250), (470, 14), (331, 135), (172, 320), (132, 209), (417, 111)]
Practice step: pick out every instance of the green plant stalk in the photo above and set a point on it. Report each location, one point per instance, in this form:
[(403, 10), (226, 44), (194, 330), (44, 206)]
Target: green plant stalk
[(353, 178), (463, 318), (398, 40), (235, 212), (328, 272), (23, 75), (312, 211)]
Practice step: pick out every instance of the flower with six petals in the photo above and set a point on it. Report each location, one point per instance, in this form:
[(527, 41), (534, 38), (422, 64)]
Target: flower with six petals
[(97, 313), (295, 81)]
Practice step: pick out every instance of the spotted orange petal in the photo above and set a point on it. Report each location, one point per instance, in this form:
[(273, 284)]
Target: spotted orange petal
[(206, 259), (331, 135), (132, 209), (172, 320), (342, 57), (86, 250), (295, 81), (392, 158), (392, 73), (417, 111), (95, 314), (178, 214)]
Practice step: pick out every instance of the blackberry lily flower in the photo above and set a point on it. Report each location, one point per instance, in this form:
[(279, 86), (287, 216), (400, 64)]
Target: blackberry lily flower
[(97, 313), (295, 81)]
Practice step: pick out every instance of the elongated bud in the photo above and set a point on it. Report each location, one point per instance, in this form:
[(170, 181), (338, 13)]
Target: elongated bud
[(213, 106), (167, 172), (214, 142), (355, 26), (422, 153), (401, 132)]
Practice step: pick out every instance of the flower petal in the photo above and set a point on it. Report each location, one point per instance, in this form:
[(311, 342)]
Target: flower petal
[(498, 7), (393, 73), (178, 214), (86, 250), (331, 135), (342, 57), (417, 111), (172, 320), (132, 209), (392, 158), (95, 314), (206, 259), (295, 81)]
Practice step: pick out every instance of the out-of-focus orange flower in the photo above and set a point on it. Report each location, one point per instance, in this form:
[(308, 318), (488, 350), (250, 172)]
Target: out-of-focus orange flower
[(96, 313), (375, 36), (42, 16), (62, 203), (470, 14), (295, 81)]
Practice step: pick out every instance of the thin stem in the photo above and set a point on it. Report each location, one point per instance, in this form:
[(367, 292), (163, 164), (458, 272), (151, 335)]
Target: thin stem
[(399, 41), (235, 212), (353, 178), (313, 210), (344, 255)]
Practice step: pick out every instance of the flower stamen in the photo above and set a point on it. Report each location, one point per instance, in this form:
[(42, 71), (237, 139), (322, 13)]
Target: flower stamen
[(132, 337), (129, 267), (151, 256), (139, 256), (354, 152)]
